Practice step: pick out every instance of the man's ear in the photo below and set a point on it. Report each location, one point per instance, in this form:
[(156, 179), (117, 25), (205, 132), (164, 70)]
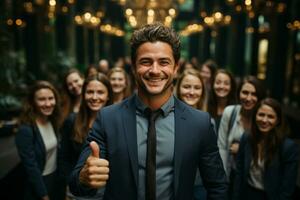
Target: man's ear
[(176, 67)]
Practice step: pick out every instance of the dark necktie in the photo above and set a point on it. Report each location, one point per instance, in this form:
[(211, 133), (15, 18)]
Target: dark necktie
[(151, 155)]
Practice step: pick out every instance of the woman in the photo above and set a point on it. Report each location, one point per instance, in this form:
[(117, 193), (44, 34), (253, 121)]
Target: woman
[(223, 93), (236, 119), (267, 159), (96, 93), (72, 86), (120, 84), (190, 89), (37, 142)]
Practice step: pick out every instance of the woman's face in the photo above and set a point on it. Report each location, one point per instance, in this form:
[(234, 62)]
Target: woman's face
[(118, 82), (190, 90), (45, 102), (222, 85), (74, 83), (205, 73), (266, 118), (96, 95), (248, 97)]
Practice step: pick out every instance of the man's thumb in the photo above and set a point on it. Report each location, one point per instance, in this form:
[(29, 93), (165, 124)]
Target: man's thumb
[(95, 149)]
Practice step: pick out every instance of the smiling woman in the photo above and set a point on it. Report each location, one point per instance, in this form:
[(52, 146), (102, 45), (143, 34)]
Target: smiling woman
[(267, 159), (37, 142), (96, 93), (190, 89)]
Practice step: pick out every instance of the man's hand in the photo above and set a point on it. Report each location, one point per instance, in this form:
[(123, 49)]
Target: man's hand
[(95, 170)]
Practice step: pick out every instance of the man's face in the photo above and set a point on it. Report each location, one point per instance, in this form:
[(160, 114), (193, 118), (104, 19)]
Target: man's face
[(155, 68)]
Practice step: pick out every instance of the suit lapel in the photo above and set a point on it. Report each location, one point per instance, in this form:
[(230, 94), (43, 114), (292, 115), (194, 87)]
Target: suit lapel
[(129, 126), (179, 141)]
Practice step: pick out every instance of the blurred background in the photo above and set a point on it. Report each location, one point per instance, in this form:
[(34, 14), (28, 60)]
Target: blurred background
[(40, 38)]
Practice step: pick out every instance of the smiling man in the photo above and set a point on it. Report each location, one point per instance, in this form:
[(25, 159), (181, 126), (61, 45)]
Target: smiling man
[(139, 158)]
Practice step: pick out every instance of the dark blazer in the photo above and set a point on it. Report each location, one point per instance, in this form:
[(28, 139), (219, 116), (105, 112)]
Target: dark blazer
[(279, 177), (69, 148), (195, 146), (32, 151)]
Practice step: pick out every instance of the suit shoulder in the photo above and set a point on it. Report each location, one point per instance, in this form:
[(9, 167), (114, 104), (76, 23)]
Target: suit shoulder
[(192, 112)]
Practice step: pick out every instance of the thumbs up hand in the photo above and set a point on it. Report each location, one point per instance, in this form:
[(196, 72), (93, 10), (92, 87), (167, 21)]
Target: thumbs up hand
[(95, 170)]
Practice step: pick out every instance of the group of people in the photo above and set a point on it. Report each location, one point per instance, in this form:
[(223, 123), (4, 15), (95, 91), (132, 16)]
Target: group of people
[(211, 139)]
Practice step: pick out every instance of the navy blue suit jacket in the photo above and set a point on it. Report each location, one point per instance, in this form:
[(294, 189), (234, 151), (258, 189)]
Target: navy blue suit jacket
[(195, 146), (32, 151), (279, 177)]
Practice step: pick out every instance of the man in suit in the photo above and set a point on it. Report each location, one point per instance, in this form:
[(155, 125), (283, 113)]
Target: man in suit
[(116, 153)]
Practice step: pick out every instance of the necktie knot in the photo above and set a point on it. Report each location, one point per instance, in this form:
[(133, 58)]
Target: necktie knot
[(152, 115)]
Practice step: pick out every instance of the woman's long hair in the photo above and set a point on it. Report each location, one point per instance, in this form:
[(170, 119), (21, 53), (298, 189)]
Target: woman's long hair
[(82, 121), (200, 105), (68, 100), (212, 106), (273, 139), (30, 112)]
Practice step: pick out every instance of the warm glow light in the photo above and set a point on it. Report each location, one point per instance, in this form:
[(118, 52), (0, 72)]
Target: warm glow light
[(19, 22), (10, 22), (50, 15), (227, 19), (87, 16), (70, 1), (100, 14), (131, 19), (238, 8), (150, 12), (281, 7), (297, 24), (64, 9), (172, 12), (78, 19), (128, 11), (52, 2), (218, 16), (28, 7), (209, 20), (107, 27), (251, 14), (150, 19), (249, 30), (168, 19), (248, 2)]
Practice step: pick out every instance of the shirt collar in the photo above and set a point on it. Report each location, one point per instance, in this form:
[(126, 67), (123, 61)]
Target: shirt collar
[(166, 108)]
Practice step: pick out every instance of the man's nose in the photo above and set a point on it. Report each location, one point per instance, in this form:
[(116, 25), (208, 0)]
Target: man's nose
[(155, 68)]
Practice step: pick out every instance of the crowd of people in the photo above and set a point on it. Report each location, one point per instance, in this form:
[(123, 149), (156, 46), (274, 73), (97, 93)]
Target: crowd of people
[(88, 134)]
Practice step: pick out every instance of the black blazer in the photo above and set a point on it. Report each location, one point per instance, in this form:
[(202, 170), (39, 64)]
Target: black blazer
[(279, 177), (32, 151), (195, 147), (69, 149)]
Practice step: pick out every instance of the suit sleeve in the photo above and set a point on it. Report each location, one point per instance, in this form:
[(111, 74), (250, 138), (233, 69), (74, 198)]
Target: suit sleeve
[(211, 167), (289, 162), (96, 134), (25, 146)]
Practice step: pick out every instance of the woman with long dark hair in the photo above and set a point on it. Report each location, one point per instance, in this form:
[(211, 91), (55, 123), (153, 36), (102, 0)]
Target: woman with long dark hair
[(267, 160), (222, 94), (96, 93), (71, 96)]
